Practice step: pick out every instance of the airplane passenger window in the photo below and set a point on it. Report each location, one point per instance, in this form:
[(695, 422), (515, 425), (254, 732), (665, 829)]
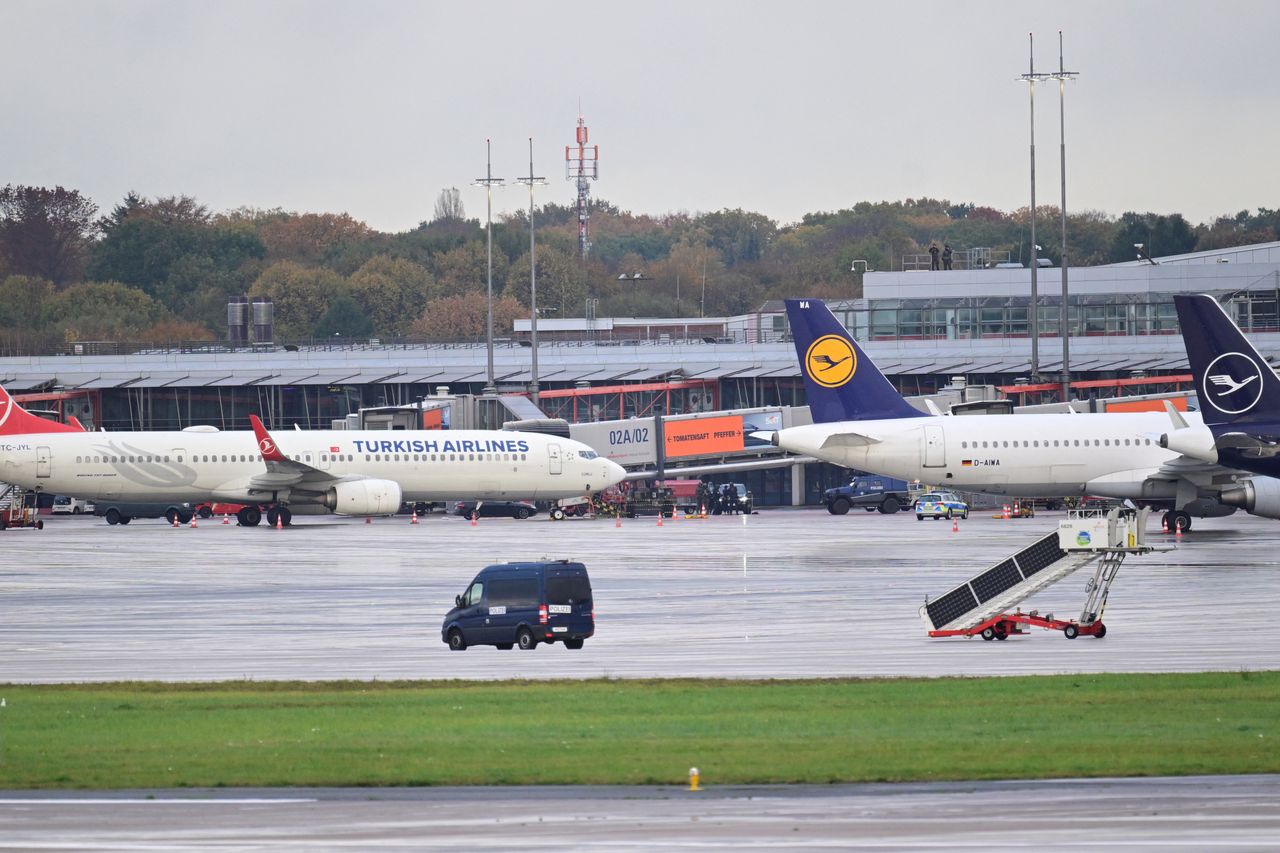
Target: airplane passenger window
[(1006, 444), (77, 460), (366, 457)]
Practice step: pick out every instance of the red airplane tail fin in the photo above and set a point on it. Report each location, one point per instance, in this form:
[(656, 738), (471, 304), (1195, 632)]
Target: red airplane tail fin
[(15, 420)]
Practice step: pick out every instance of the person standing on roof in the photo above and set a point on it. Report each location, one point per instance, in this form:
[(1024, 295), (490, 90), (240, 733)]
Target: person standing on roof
[(946, 256), (933, 253)]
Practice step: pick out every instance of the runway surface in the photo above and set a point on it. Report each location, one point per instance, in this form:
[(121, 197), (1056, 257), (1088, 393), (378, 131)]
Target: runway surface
[(780, 594), (1199, 813)]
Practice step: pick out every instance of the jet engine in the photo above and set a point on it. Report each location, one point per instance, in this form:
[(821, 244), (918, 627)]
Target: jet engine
[(1259, 496), (364, 497), (1196, 442)]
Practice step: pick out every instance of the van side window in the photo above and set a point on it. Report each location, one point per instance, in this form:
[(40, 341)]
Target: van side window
[(568, 589), (513, 592), (474, 594)]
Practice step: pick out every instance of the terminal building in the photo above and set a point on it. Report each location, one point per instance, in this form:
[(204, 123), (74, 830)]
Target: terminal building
[(955, 333)]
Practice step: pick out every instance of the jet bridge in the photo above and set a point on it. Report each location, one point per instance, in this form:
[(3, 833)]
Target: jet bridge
[(981, 605)]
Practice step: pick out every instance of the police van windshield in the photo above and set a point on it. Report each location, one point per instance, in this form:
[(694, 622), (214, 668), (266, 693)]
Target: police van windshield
[(568, 589)]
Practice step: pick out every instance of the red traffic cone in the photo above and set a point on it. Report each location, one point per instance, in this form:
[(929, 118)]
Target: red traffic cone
[(175, 521), (473, 519), (413, 517), (225, 519), (1006, 511), (955, 524), (1164, 524), (659, 517), (1177, 526), (617, 520), (193, 520)]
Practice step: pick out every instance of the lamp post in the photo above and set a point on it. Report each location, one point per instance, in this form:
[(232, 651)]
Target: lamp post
[(1031, 78), (1064, 315), (489, 182), (532, 181)]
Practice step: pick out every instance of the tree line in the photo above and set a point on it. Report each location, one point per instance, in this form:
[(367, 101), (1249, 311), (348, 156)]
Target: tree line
[(161, 270)]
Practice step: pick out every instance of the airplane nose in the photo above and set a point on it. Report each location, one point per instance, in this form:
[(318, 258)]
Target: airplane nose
[(613, 473)]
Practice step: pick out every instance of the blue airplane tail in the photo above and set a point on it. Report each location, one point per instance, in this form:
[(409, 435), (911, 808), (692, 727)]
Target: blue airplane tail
[(1234, 381), (842, 383)]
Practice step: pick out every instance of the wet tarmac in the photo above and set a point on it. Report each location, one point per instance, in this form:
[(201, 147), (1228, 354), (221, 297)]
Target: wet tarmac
[(1198, 813), (779, 594)]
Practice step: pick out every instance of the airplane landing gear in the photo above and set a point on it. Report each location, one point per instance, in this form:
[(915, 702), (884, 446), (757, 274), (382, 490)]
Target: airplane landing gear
[(279, 515), (249, 516), (1177, 518)]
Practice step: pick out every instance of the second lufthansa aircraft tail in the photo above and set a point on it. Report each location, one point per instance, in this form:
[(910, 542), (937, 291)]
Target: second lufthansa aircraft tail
[(842, 383), (1234, 381)]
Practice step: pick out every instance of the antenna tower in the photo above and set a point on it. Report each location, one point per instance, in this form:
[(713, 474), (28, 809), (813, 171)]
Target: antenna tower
[(582, 165)]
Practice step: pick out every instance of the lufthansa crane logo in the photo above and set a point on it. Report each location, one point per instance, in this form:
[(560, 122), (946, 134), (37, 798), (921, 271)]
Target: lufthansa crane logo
[(1233, 383), (831, 361), (267, 446)]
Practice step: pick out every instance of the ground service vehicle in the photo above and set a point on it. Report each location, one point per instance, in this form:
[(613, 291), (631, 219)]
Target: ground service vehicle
[(523, 604), (66, 505), (940, 505), (496, 509), (123, 512), (870, 492)]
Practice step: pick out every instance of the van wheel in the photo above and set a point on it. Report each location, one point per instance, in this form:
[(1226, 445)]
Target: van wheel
[(506, 647), (112, 516), (573, 644), (525, 640), (839, 506), (457, 642)]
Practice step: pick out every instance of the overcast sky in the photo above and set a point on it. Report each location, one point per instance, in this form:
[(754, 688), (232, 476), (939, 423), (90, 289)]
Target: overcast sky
[(783, 108)]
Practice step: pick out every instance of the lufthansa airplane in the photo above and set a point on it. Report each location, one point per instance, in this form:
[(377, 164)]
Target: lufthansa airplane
[(1240, 405), (862, 422), (364, 472)]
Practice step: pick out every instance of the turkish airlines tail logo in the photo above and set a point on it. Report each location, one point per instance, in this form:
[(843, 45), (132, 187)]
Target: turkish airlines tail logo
[(267, 446)]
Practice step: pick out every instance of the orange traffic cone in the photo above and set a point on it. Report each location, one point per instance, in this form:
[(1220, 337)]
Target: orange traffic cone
[(175, 520), (955, 524), (193, 521), (1164, 524), (413, 517), (1006, 511), (225, 519), (659, 517), (617, 520), (279, 521), (1177, 526), (473, 519)]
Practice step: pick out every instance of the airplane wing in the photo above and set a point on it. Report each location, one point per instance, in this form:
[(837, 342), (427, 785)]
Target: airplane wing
[(282, 472)]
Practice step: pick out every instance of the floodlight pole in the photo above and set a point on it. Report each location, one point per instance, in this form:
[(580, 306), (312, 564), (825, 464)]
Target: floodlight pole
[(532, 181), (1031, 77), (1062, 77), (489, 182)]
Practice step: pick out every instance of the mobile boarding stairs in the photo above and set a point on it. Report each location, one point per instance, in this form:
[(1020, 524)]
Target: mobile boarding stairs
[(981, 605)]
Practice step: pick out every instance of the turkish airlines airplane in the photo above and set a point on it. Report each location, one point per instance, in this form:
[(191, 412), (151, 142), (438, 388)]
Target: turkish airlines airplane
[(862, 422), (365, 472)]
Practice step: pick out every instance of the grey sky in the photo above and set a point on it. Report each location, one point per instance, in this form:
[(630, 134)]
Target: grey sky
[(782, 108)]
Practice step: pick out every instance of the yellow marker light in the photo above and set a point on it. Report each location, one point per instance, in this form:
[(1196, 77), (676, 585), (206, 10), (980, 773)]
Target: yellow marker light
[(693, 779)]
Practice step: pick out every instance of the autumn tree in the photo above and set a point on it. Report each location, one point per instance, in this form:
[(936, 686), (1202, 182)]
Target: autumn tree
[(310, 238), (391, 292), (45, 232), (449, 205), (463, 317), (25, 302), (345, 318), (106, 311), (562, 282), (301, 296), (466, 268)]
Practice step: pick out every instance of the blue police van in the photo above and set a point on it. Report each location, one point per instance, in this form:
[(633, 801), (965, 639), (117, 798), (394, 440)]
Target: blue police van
[(523, 604)]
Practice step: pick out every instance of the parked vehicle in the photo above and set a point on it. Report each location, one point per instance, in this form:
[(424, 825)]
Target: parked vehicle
[(123, 512), (726, 504), (212, 508), (938, 505), (871, 492), (499, 509), (523, 604), (67, 505)]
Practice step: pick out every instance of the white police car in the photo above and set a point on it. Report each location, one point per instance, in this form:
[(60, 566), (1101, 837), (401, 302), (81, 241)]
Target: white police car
[(940, 505)]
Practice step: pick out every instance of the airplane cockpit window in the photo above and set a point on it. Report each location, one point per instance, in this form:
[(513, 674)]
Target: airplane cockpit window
[(588, 454)]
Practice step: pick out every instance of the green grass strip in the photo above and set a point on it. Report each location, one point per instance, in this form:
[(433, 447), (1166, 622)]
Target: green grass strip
[(143, 735)]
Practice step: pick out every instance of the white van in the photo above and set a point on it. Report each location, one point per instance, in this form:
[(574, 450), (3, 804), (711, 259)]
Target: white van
[(62, 504)]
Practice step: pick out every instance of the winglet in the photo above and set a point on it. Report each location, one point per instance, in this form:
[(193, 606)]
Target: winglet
[(75, 422), (1179, 422), (266, 444)]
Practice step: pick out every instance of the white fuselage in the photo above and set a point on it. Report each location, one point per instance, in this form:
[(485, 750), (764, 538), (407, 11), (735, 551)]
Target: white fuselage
[(1113, 455), (196, 465)]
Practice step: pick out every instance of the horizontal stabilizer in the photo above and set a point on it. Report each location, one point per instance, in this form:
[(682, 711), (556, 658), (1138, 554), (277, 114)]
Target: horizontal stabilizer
[(848, 439)]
